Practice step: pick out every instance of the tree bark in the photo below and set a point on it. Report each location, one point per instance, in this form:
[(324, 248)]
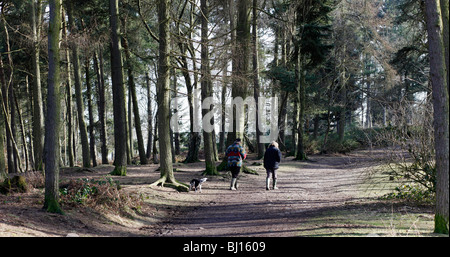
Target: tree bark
[(441, 112), (194, 136), (70, 147), (137, 119), (222, 102), (120, 132), (9, 109), (342, 96), (52, 121), (78, 92), (2, 126), (208, 142), (149, 117), (163, 96), (129, 114), (22, 129), (176, 135), (155, 139), (241, 57), (38, 108), (101, 104), (445, 24), (13, 134), (90, 113), (256, 86), (300, 80)]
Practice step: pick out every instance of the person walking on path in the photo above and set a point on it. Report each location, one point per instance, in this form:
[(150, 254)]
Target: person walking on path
[(235, 154), (272, 159)]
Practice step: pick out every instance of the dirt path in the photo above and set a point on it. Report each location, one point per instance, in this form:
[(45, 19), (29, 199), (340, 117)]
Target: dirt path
[(322, 187), (305, 188)]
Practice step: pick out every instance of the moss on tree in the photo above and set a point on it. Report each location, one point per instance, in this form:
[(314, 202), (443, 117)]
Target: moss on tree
[(15, 184), (119, 171), (52, 205), (19, 183), (211, 169), (440, 224)]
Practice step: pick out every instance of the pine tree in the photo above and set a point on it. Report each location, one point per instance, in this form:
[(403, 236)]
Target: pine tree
[(206, 85), (52, 121), (120, 131), (163, 95)]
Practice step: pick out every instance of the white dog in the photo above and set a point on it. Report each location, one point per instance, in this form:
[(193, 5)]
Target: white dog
[(197, 184)]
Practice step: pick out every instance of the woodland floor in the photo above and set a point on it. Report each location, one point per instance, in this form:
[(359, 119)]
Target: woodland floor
[(329, 195)]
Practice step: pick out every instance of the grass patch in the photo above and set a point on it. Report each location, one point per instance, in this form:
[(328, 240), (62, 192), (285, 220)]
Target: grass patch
[(376, 219), (376, 212)]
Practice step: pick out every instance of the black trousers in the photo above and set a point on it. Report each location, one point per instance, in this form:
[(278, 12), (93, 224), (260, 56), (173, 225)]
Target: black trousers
[(235, 171)]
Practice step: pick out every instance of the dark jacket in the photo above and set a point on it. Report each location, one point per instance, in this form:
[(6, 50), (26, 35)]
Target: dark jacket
[(272, 158)]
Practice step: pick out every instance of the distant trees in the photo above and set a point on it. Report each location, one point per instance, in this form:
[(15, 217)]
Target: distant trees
[(78, 90), (38, 110)]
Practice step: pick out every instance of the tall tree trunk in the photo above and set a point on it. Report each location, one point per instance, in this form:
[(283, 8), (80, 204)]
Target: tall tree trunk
[(282, 120), (52, 121), (70, 150), (2, 126), (137, 119), (208, 142), (120, 131), (343, 97), (11, 146), (441, 113), (101, 104), (38, 108), (5, 111), (368, 94), (2, 146), (155, 139), (445, 24), (9, 109), (300, 77), (163, 96), (194, 136), (78, 92), (222, 102), (300, 80), (129, 114), (90, 112), (256, 86), (231, 136), (22, 129), (241, 78), (12, 120), (176, 135), (149, 117), (241, 57)]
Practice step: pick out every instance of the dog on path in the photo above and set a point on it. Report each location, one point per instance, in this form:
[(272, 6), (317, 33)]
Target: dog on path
[(196, 184)]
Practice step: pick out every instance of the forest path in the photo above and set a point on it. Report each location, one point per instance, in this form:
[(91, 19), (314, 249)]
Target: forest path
[(305, 190)]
